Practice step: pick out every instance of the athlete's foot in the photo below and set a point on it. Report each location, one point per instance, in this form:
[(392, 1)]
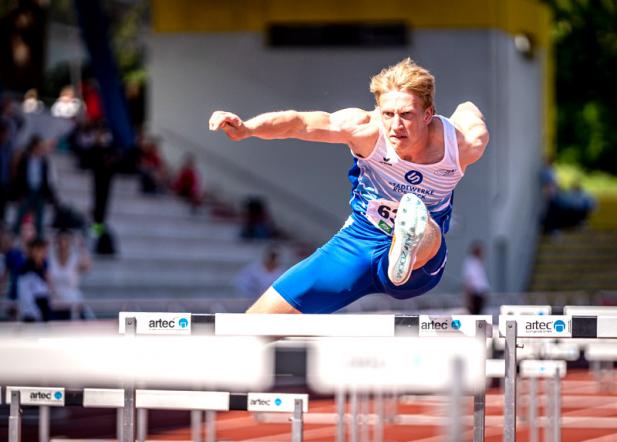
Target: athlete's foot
[(409, 227)]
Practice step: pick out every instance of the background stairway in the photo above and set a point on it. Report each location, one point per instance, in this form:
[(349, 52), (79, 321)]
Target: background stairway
[(165, 251), (582, 259)]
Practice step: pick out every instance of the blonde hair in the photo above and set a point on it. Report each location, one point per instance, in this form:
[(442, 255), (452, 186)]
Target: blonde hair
[(406, 76)]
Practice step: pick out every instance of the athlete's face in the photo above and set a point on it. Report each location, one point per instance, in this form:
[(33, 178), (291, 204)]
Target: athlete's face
[(404, 117)]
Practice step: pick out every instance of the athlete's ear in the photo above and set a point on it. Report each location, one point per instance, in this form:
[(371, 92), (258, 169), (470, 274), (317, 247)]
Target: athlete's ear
[(429, 112)]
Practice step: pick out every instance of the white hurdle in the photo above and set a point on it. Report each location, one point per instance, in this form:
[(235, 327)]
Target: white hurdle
[(560, 327), (136, 363)]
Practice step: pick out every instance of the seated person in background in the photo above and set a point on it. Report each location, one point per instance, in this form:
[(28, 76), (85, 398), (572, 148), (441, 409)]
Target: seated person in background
[(256, 223), (257, 276), (568, 208), (187, 184), (68, 260), (67, 105), (31, 103), (33, 284), (151, 168)]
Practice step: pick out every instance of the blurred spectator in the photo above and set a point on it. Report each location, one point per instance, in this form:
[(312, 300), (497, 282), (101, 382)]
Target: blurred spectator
[(6, 162), (10, 114), (187, 184), (15, 255), (151, 168), (33, 284), (256, 277), (548, 179), (92, 100), (475, 281), (68, 260), (104, 158), (83, 139), (67, 105), (34, 182), (257, 223), (31, 103), (568, 208)]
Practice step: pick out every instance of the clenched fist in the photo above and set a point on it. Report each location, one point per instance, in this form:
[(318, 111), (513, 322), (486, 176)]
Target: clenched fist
[(230, 123)]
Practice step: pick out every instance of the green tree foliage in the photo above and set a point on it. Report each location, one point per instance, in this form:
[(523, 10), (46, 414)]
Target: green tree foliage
[(585, 33)]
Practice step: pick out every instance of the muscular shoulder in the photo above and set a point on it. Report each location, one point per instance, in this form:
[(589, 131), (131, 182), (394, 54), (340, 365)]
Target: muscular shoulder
[(350, 119), (471, 133), (360, 126)]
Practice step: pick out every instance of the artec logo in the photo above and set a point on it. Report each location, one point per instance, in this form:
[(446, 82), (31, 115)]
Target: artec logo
[(559, 326), (456, 324)]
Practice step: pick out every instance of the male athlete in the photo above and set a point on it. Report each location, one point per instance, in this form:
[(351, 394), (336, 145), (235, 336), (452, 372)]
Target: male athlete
[(407, 161)]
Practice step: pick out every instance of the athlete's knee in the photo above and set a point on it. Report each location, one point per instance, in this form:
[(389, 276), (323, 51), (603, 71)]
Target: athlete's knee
[(272, 302)]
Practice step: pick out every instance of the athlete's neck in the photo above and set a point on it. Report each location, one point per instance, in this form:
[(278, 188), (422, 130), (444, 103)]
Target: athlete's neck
[(418, 149)]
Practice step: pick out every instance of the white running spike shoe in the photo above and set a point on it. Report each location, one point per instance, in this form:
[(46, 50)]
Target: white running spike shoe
[(409, 227)]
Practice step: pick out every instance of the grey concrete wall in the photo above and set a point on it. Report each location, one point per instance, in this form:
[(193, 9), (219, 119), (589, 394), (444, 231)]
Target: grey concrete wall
[(193, 75)]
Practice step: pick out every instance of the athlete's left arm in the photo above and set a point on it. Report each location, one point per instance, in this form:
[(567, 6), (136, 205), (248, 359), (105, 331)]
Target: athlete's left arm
[(472, 133)]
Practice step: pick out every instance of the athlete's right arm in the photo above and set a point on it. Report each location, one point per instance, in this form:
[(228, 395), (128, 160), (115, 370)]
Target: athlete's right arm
[(348, 126)]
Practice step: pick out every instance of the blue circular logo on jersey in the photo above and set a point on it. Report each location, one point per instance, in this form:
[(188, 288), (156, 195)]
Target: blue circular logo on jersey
[(58, 395), (456, 324), (414, 177), (183, 322), (278, 402), (559, 326)]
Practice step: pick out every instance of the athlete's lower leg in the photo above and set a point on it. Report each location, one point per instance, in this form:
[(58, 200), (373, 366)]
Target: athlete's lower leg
[(415, 241)]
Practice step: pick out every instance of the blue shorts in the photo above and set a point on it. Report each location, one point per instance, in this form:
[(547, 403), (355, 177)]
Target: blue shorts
[(353, 264)]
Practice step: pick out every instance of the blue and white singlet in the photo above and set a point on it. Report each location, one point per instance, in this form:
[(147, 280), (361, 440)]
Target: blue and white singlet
[(380, 180)]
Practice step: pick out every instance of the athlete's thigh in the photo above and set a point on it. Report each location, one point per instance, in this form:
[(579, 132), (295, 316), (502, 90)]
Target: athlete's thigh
[(331, 278)]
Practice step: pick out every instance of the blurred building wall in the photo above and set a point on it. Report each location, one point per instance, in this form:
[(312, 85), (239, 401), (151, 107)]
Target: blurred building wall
[(205, 56)]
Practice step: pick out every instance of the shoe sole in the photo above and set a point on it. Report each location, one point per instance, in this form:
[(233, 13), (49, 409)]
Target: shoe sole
[(409, 227)]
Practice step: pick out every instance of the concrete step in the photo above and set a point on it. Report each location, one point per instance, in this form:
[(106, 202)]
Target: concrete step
[(590, 266), (102, 292), (189, 268), (123, 276), (81, 181), (160, 206)]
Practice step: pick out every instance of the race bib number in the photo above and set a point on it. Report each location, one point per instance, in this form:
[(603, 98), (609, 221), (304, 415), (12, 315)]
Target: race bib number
[(381, 213)]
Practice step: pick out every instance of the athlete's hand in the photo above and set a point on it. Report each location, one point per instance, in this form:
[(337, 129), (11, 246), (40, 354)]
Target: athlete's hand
[(230, 123)]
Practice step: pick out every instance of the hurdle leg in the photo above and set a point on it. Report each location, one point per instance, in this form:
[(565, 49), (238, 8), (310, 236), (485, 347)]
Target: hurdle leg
[(297, 422), (364, 417), (509, 432), (128, 411), (479, 400), (340, 412), (353, 399), (556, 408), (210, 426), (455, 429), (142, 424), (44, 423), (196, 425), (532, 410), (15, 417), (379, 417)]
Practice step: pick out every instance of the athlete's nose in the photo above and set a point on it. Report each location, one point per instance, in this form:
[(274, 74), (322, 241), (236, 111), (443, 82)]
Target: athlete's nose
[(397, 121)]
